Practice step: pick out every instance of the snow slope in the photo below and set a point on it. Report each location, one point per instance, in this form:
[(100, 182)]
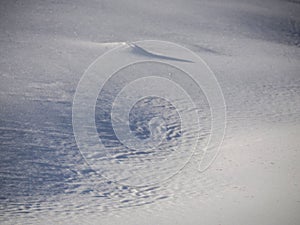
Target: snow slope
[(253, 49)]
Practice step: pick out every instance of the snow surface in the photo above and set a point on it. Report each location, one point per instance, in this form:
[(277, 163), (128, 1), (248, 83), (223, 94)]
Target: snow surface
[(253, 49)]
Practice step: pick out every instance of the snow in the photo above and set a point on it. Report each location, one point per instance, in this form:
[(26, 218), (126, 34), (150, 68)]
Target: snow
[(251, 46)]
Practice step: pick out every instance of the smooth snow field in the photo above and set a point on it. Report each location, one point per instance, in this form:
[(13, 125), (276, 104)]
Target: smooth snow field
[(198, 125)]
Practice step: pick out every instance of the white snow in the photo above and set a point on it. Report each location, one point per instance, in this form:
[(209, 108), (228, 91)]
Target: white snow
[(253, 49)]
